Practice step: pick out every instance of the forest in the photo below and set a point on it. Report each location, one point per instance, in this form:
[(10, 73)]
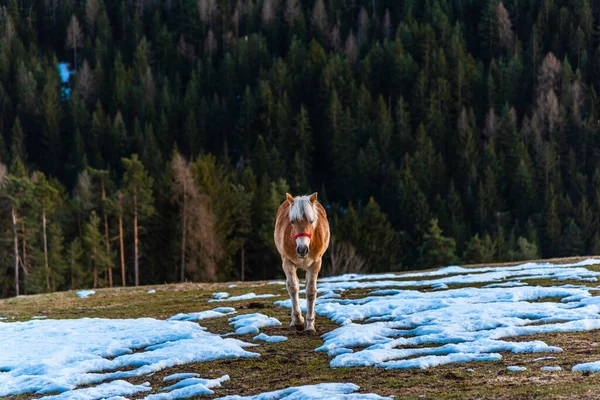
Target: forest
[(151, 141)]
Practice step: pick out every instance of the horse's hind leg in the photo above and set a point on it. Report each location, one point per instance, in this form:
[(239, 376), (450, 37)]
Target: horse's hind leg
[(311, 295), (293, 286)]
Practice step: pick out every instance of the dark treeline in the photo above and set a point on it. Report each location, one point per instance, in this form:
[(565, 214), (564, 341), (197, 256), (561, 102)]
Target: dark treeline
[(434, 131)]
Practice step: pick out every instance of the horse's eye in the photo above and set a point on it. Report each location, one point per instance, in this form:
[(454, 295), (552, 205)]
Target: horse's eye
[(292, 222), (311, 222)]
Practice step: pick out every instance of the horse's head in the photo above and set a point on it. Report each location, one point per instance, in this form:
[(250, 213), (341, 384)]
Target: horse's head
[(304, 218)]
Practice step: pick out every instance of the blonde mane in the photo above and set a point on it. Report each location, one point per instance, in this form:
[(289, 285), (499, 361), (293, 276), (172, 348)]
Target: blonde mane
[(303, 207)]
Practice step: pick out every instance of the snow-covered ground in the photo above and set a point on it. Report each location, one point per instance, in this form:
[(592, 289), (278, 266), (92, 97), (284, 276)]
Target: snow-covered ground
[(44, 356), (416, 320), (402, 328)]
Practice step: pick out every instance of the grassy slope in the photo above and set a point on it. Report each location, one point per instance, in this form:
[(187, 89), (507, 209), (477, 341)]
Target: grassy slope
[(295, 362)]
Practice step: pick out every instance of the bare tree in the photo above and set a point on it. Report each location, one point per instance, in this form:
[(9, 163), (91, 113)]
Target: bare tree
[(199, 244), (505, 33), (267, 13), (210, 43), (74, 37), (491, 125), (235, 18), (350, 48), (91, 15), (387, 25), (85, 81), (344, 259), (208, 11), (335, 41), (548, 75), (292, 12), (319, 18), (363, 27)]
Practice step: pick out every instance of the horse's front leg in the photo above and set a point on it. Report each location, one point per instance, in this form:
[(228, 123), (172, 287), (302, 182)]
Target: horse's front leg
[(293, 286), (311, 295)]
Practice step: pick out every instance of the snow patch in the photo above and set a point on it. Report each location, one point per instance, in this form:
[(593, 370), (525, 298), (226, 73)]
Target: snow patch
[(516, 368), (251, 323), (84, 294), (313, 392), (247, 296), (220, 295), (198, 316), (183, 375), (62, 355), (270, 339)]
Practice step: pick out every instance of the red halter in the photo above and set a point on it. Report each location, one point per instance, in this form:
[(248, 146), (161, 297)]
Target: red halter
[(308, 235)]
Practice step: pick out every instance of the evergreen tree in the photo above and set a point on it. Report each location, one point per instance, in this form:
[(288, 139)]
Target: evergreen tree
[(437, 250)]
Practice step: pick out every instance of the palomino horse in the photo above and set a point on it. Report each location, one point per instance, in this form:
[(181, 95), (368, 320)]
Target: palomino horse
[(302, 237)]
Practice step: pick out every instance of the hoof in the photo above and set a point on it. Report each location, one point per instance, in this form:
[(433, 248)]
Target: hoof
[(310, 332), (297, 327)]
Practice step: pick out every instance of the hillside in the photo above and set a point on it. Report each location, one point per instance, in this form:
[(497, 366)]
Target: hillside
[(531, 315), (416, 121)]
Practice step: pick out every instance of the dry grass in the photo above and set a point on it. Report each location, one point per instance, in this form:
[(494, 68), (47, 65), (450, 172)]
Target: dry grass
[(295, 362)]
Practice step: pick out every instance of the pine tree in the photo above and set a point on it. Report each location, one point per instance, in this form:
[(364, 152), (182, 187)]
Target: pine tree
[(98, 257), (437, 250), (137, 186)]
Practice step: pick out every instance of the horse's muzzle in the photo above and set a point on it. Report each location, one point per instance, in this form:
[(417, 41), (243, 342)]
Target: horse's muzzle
[(302, 251)]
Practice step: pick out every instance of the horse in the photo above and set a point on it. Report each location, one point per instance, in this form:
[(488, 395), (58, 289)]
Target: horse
[(302, 237)]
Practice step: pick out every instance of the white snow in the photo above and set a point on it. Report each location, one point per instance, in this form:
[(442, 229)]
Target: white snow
[(61, 355), (198, 316), (250, 323), (551, 369), (220, 295), (516, 368), (189, 388), (590, 366), (231, 286), (544, 358), (276, 283), (332, 391), (505, 284), (84, 294), (183, 375), (151, 291), (114, 388), (39, 317), (398, 328), (269, 339), (247, 296)]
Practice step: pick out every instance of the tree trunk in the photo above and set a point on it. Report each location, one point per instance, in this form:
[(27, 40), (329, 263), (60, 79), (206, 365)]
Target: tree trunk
[(110, 277), (243, 270), (122, 246), (72, 274), (24, 258), (135, 238), (183, 231), (95, 257), (16, 247), (46, 264)]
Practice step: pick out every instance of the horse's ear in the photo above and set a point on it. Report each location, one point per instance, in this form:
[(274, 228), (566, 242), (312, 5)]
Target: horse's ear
[(313, 197), (289, 197)]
